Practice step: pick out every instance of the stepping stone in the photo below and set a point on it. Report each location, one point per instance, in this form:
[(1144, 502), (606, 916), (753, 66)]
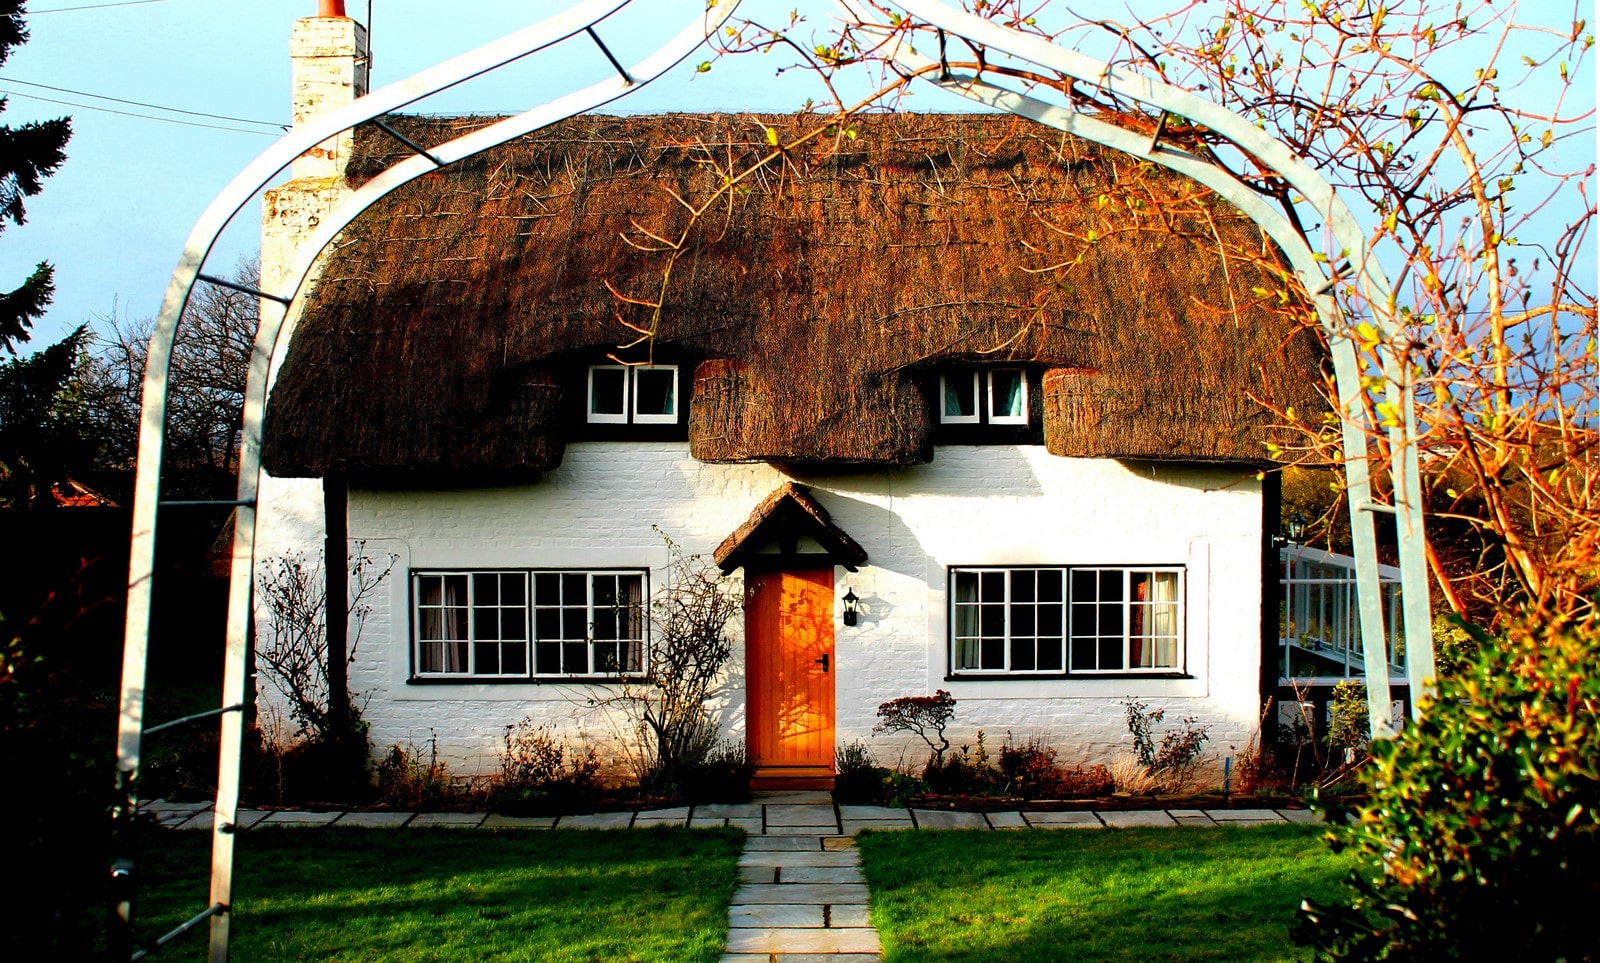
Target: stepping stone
[(751, 825), (821, 874), (832, 941), (801, 958), (1303, 816), (790, 893), (1244, 817), (767, 915), (447, 820), (712, 822), (1190, 817), (847, 915), (801, 816), (738, 810), (595, 821), (375, 820), (675, 816), (1137, 817), (295, 817), (245, 818), (872, 812), (1064, 820), (497, 821), (1007, 821), (838, 844), (940, 819), (854, 826), (203, 820), (811, 831), (817, 858), (758, 874), (784, 844), (800, 797)]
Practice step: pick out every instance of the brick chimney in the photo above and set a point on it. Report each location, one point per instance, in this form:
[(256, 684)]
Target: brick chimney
[(329, 57)]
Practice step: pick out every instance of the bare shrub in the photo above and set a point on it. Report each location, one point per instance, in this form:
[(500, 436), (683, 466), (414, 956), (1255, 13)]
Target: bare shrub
[(927, 716)]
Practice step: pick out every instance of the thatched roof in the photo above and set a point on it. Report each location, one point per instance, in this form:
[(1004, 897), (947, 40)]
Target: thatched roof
[(814, 306), (787, 515)]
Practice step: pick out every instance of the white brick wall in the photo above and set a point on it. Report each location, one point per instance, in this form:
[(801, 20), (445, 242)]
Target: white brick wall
[(989, 505)]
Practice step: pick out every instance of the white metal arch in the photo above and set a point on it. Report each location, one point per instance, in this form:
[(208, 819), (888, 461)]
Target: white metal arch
[(276, 315)]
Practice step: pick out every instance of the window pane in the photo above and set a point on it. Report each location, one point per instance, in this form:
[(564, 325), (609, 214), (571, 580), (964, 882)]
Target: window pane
[(513, 589), (547, 656), (960, 396), (605, 623), (573, 624), (994, 586), (655, 392), (1022, 659), (1082, 653), (1110, 654), (994, 653), (514, 660), (966, 586), (1050, 655), (486, 588), (574, 588), (605, 591), (574, 657), (1050, 621), (513, 623), (485, 623), (1050, 585), (488, 657), (607, 391), (993, 621), (1005, 395), (1022, 585), (547, 624), (1022, 622), (547, 588), (430, 589)]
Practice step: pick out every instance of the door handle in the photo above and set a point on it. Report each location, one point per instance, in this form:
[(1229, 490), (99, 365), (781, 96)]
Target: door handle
[(823, 661)]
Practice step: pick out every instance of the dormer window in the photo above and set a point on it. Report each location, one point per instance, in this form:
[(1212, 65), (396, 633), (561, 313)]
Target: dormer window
[(633, 394), (996, 396)]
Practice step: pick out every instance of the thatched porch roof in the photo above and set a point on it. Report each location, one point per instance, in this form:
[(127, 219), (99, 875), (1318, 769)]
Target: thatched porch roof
[(811, 310)]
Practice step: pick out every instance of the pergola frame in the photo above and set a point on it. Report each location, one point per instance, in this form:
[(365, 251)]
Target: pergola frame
[(277, 318)]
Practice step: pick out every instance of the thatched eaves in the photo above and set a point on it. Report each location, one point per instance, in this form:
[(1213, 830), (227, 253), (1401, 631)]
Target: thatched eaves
[(783, 519), (812, 310)]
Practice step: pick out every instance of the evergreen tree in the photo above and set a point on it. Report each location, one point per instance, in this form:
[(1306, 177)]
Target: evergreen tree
[(28, 154)]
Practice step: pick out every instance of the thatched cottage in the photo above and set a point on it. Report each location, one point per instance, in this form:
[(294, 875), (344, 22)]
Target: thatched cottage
[(961, 402)]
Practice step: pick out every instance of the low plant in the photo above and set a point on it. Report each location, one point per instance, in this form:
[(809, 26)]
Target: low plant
[(541, 775), (1481, 839), (926, 716), (858, 779), (968, 772), (411, 778), (1173, 761), (1133, 777), (722, 776)]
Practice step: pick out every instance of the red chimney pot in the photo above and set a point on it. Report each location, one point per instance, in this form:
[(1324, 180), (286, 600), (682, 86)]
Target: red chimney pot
[(330, 8)]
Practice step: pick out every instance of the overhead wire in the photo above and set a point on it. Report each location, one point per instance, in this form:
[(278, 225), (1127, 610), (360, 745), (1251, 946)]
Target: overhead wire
[(92, 6), (129, 113), (140, 103)]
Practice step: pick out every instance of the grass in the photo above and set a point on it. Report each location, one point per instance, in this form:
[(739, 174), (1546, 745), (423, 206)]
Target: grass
[(450, 894), (1131, 894)]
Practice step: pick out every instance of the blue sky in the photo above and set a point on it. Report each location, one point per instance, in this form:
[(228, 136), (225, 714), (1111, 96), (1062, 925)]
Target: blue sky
[(114, 219)]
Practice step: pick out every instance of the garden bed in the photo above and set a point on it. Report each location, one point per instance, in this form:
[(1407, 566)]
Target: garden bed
[(985, 804)]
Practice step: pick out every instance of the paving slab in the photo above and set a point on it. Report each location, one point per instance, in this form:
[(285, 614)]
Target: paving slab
[(203, 820), (825, 957), (298, 817), (772, 940), (1127, 819), (1302, 816), (817, 858), (167, 806), (791, 893), (709, 822), (1007, 821), (375, 820), (784, 844), (595, 821), (1190, 817), (821, 874), (1064, 820), (800, 831), (758, 874), (679, 813), (643, 821), (497, 821), (1227, 816), (848, 914), (798, 797), (769, 915), (837, 844), (854, 826), (739, 810), (801, 815), (941, 819), (872, 812), (447, 820), (751, 824), (245, 818)]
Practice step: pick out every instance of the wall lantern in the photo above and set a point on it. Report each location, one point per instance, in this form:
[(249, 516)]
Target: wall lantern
[(850, 601), (1297, 528)]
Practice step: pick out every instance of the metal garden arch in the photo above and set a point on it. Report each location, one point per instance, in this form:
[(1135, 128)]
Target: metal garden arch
[(276, 322)]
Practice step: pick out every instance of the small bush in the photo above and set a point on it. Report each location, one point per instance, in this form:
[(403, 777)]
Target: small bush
[(1482, 836), (858, 779), (409, 780), (1172, 763), (927, 716), (722, 776), (966, 773), (541, 776)]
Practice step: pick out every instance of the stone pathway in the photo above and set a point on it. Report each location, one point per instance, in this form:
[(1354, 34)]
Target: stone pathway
[(801, 898)]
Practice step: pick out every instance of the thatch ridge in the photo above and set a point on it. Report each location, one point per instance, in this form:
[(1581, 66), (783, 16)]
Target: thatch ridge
[(811, 310)]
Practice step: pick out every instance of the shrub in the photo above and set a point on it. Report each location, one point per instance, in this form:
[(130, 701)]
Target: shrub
[(1172, 763), (723, 775), (858, 778), (927, 716), (541, 776), (1031, 771), (967, 773), (1482, 836), (407, 780)]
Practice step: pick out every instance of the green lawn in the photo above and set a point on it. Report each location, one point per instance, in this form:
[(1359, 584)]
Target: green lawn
[(1130, 894), (452, 894)]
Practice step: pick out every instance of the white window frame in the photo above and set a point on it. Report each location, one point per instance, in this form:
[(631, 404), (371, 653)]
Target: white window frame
[(630, 396), (469, 672), (945, 383), (1178, 639), (994, 419)]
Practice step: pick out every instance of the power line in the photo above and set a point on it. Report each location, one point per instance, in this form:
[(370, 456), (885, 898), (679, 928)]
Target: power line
[(138, 103), (127, 113), (93, 6)]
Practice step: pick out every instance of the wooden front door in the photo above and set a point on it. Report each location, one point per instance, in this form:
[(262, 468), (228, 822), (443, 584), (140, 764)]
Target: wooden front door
[(789, 641)]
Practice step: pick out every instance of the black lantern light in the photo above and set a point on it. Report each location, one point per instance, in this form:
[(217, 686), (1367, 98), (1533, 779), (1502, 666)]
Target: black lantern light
[(850, 601), (1297, 527)]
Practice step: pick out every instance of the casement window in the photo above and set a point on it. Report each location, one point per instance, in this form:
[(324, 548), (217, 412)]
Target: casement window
[(1066, 620), (996, 396), (633, 394), (519, 624)]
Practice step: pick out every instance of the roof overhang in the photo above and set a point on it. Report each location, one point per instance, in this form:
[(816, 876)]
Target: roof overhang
[(784, 517)]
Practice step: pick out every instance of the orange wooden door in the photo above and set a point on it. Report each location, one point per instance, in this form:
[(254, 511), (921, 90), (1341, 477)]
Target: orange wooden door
[(789, 646)]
